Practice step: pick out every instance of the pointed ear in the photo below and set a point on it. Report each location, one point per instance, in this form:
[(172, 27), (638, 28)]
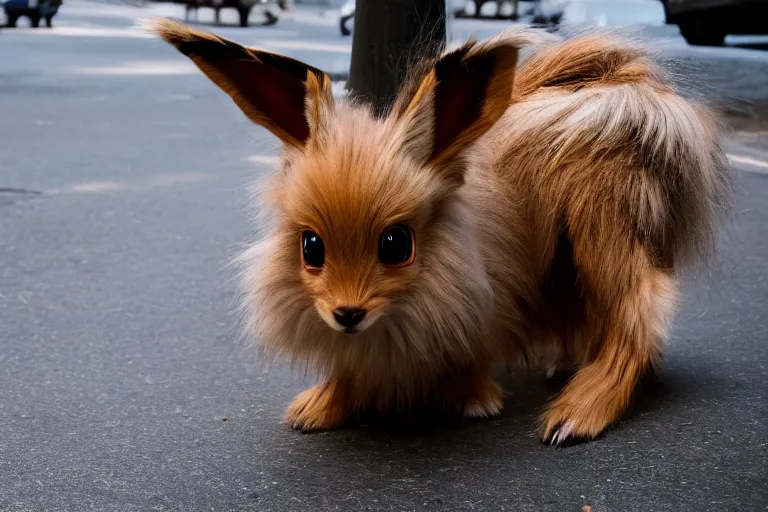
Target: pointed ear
[(458, 98), (286, 96)]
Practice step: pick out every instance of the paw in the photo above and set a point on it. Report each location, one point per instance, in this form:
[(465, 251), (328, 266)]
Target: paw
[(316, 409), (487, 409), (487, 402), (562, 425)]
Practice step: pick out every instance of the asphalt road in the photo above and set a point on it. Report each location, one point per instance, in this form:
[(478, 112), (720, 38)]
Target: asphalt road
[(123, 178)]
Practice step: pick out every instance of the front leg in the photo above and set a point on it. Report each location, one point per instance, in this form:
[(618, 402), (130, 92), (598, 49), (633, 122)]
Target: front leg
[(323, 407), (479, 396)]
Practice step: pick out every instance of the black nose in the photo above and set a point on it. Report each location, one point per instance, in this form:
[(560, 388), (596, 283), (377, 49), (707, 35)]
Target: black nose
[(349, 317)]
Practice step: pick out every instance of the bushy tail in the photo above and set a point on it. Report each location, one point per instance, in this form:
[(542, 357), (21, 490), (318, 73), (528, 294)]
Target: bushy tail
[(609, 143)]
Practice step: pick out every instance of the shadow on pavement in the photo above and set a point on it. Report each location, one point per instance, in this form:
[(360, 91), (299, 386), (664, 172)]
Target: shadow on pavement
[(527, 397), (464, 458)]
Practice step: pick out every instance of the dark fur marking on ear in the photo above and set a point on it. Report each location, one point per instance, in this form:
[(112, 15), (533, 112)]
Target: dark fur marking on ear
[(460, 94), (270, 89), (275, 88)]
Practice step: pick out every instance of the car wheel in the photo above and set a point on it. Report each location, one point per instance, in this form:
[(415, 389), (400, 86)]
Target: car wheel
[(12, 19), (34, 20), (49, 21), (701, 30)]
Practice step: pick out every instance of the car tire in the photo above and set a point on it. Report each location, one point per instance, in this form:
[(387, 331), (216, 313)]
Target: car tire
[(34, 20), (12, 19), (702, 30)]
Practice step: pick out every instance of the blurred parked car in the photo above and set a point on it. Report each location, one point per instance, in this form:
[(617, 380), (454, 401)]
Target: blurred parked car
[(270, 8), (707, 22), (347, 13), (35, 10), (502, 9)]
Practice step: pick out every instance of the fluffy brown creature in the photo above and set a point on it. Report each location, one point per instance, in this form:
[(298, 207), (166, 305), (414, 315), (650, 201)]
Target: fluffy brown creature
[(527, 213)]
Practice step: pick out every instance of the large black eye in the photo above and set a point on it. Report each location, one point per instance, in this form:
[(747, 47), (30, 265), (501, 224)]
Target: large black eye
[(396, 245), (312, 249)]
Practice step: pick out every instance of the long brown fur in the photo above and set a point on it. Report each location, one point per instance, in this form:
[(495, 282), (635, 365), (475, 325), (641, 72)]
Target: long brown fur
[(553, 202)]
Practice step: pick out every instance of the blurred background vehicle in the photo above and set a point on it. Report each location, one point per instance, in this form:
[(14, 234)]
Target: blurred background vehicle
[(707, 22), (503, 9), (270, 9), (35, 10), (541, 12)]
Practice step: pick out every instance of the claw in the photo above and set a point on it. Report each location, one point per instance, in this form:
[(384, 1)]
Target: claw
[(562, 433)]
